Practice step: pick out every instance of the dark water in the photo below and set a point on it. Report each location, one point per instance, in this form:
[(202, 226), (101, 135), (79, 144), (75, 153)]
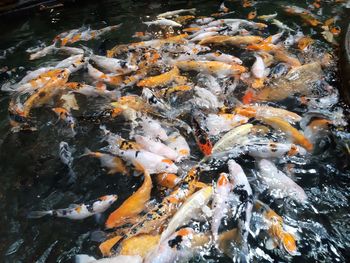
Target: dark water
[(32, 176)]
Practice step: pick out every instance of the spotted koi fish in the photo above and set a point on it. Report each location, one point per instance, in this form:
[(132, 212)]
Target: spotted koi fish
[(78, 212), (202, 138)]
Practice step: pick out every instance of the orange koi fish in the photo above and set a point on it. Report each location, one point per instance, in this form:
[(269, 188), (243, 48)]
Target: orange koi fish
[(167, 180), (279, 237), (163, 79), (293, 133), (231, 40), (132, 206)]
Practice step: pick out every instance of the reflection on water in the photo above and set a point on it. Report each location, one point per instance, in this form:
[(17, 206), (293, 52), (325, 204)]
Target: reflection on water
[(33, 177)]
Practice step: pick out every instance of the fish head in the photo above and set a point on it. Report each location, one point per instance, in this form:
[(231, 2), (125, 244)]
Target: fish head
[(167, 165)]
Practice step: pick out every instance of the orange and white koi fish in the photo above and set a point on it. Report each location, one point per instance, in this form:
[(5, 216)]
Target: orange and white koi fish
[(113, 65), (278, 235), (188, 210), (65, 116), (78, 212), (156, 147), (296, 136), (278, 181), (220, 204), (217, 123), (264, 111), (217, 68), (163, 79), (179, 144), (113, 163), (168, 180), (76, 35), (113, 79), (174, 248), (132, 206)]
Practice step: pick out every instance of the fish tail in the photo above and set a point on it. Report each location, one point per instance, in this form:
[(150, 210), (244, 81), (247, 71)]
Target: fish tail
[(87, 152), (39, 214)]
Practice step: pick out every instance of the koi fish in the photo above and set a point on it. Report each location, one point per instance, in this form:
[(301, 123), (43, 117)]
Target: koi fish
[(217, 123), (176, 12), (202, 138), (156, 147), (163, 22), (278, 236), (132, 206), (168, 180), (78, 212), (243, 195), (217, 68), (152, 162), (298, 80), (65, 116), (113, 65), (113, 163), (75, 35), (188, 210), (280, 25), (173, 248), (179, 144), (231, 138), (293, 133), (65, 153), (231, 40), (113, 79), (153, 129), (222, 57), (220, 204), (163, 79), (277, 180), (268, 17)]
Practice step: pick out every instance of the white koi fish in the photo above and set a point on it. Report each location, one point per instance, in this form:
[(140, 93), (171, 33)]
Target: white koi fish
[(151, 162), (78, 212), (153, 129), (258, 68), (188, 210), (179, 144), (113, 65), (277, 180), (156, 147), (176, 12), (163, 22)]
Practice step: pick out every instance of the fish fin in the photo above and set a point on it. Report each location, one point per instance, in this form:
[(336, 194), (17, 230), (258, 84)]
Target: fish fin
[(87, 152), (73, 206), (106, 246), (83, 258), (270, 244), (99, 218), (38, 214), (98, 236)]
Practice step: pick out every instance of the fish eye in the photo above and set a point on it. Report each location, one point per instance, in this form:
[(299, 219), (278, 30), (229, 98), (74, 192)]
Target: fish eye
[(123, 64)]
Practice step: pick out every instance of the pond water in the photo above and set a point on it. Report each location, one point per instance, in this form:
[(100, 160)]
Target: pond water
[(32, 177)]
